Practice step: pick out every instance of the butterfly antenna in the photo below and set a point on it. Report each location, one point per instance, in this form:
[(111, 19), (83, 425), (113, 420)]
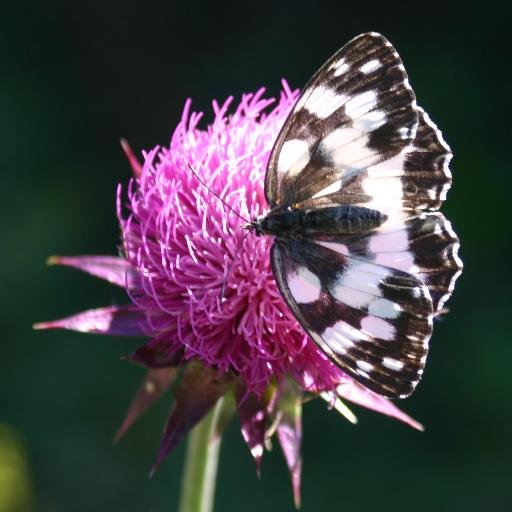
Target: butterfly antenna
[(216, 195), (231, 266)]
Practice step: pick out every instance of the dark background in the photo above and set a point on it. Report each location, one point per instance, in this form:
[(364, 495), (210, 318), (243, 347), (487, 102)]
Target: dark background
[(77, 76)]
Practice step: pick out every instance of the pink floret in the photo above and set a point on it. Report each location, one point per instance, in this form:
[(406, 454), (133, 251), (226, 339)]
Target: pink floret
[(186, 245)]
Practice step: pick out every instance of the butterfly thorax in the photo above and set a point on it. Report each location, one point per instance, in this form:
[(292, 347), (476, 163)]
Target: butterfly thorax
[(287, 221)]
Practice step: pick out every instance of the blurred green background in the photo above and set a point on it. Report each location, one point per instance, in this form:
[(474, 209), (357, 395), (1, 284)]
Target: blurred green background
[(77, 76)]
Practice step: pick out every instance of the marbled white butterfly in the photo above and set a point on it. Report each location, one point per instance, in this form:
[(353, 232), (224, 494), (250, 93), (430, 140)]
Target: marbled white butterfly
[(361, 254)]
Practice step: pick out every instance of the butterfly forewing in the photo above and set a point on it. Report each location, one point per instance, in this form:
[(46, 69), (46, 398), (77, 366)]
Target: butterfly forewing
[(357, 139), (358, 110)]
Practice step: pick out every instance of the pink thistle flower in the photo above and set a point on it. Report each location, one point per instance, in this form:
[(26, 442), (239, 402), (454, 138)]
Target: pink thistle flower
[(183, 243), (183, 250)]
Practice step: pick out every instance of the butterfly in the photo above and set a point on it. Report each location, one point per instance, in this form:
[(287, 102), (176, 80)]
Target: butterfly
[(361, 254)]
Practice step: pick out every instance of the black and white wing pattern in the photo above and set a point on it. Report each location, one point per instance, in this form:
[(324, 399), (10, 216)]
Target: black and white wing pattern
[(358, 110), (357, 137)]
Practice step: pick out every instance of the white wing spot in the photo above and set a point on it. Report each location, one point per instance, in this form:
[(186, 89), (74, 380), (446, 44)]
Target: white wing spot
[(346, 147), (390, 168), (362, 373), (404, 132), (340, 67), (358, 284), (389, 242), (371, 65), (339, 138), (294, 156), (363, 365), (360, 104), (417, 292), (391, 188), (392, 364), (378, 328), (323, 101), (356, 299), (401, 260), (370, 121), (384, 308), (304, 286), (342, 336), (330, 189), (336, 247)]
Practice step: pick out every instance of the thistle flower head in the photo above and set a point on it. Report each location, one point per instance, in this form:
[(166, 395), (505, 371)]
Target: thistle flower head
[(201, 287), (204, 283)]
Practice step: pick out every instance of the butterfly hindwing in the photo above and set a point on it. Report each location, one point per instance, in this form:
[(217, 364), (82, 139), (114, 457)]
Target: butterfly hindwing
[(423, 245), (373, 321), (357, 110)]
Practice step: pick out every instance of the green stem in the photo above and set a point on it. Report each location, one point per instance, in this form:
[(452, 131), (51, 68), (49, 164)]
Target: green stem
[(201, 461)]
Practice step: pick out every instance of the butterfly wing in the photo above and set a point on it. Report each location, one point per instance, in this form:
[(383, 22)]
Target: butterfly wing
[(373, 321), (358, 110), (417, 178), (423, 245), (357, 137), (408, 188), (368, 301)]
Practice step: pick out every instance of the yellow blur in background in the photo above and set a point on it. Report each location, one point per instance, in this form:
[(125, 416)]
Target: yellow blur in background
[(16, 492)]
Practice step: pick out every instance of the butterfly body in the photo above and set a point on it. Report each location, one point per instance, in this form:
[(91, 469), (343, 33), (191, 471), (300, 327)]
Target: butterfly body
[(290, 222), (361, 254)]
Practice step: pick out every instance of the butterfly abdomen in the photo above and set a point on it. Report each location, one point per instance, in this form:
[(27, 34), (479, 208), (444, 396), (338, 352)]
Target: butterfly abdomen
[(339, 220)]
